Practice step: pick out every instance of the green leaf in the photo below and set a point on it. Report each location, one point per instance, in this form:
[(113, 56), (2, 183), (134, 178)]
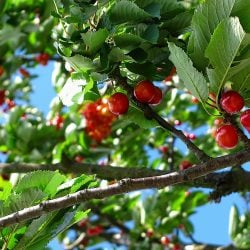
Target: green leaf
[(82, 181), (204, 22), (241, 10), (154, 9), (136, 116), (126, 11), (6, 188), (80, 63), (46, 227), (151, 33), (138, 55), (146, 69), (222, 50), (127, 41), (241, 76), (180, 23), (27, 198), (166, 7), (234, 220), (10, 34), (94, 40), (25, 131), (193, 80), (47, 181), (116, 55)]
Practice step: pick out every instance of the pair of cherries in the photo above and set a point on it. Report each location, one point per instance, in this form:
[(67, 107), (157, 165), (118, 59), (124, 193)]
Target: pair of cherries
[(226, 135), (144, 92)]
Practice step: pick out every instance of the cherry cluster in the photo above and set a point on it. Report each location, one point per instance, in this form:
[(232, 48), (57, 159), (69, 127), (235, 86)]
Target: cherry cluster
[(99, 119), (226, 135)]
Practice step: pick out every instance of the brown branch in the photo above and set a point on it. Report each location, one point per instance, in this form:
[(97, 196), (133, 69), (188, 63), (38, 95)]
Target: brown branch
[(150, 114), (107, 172), (223, 183), (126, 185)]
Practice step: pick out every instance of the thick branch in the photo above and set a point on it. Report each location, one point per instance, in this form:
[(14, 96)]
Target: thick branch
[(124, 186), (107, 172), (223, 183), (149, 113)]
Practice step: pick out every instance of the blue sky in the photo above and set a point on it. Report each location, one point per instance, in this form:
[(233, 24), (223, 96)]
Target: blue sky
[(210, 221)]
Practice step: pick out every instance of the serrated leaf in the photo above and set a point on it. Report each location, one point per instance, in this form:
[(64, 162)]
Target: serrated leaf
[(47, 181), (180, 23), (27, 198), (80, 63), (126, 11), (127, 41), (94, 39), (54, 225), (222, 50), (34, 230), (204, 22), (82, 181), (193, 80), (241, 76), (233, 223)]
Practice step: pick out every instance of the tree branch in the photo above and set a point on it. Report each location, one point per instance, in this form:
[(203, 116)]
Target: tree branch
[(223, 183), (126, 185), (106, 172), (150, 114)]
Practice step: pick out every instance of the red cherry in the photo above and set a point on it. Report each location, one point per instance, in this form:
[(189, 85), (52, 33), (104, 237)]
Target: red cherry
[(1, 70), (2, 97), (10, 103), (185, 164), (42, 58), (150, 233), (165, 240), (163, 149), (93, 231), (226, 136), (83, 223), (177, 122), (118, 103), (5, 177), (79, 159), (194, 100), (24, 72), (231, 101), (191, 136), (176, 247), (157, 96), (144, 91), (57, 121), (245, 119)]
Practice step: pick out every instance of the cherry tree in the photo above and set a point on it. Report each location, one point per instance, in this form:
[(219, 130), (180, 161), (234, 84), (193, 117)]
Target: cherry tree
[(152, 101)]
